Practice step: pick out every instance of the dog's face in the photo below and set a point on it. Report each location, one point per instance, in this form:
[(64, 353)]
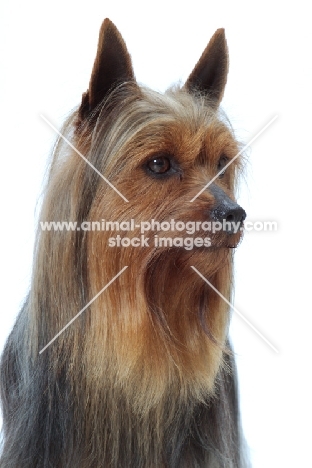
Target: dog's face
[(160, 152)]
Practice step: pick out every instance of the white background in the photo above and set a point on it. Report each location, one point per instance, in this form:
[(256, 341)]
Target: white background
[(47, 51)]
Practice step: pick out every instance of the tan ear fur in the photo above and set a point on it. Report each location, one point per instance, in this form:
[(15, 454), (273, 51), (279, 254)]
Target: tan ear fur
[(112, 66), (210, 72)]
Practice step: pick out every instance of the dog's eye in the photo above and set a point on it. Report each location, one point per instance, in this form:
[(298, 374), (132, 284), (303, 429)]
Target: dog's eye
[(221, 164), (159, 165)]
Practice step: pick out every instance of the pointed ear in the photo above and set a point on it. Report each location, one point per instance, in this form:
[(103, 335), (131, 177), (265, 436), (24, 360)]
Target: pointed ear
[(112, 66), (210, 72)]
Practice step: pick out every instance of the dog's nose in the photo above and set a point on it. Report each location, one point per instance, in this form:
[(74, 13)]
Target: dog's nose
[(225, 210), (229, 212)]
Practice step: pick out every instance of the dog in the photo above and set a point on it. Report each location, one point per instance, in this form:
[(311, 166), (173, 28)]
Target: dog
[(120, 356)]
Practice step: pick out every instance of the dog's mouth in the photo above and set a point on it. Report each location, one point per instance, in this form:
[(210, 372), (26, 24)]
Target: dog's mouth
[(234, 241), (201, 241), (227, 239), (234, 245), (216, 243)]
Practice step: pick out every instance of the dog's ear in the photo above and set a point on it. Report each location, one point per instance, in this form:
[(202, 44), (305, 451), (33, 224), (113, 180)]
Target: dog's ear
[(210, 73), (112, 66)]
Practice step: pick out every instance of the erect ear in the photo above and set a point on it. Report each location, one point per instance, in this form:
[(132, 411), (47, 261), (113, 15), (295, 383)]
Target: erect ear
[(210, 72), (112, 66)]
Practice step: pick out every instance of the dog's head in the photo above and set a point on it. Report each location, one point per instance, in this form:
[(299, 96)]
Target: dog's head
[(171, 157)]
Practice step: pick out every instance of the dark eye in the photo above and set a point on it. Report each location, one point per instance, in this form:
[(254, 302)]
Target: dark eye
[(221, 164), (159, 165)]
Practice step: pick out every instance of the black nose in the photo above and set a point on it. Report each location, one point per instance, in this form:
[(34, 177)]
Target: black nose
[(226, 211), (229, 212)]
